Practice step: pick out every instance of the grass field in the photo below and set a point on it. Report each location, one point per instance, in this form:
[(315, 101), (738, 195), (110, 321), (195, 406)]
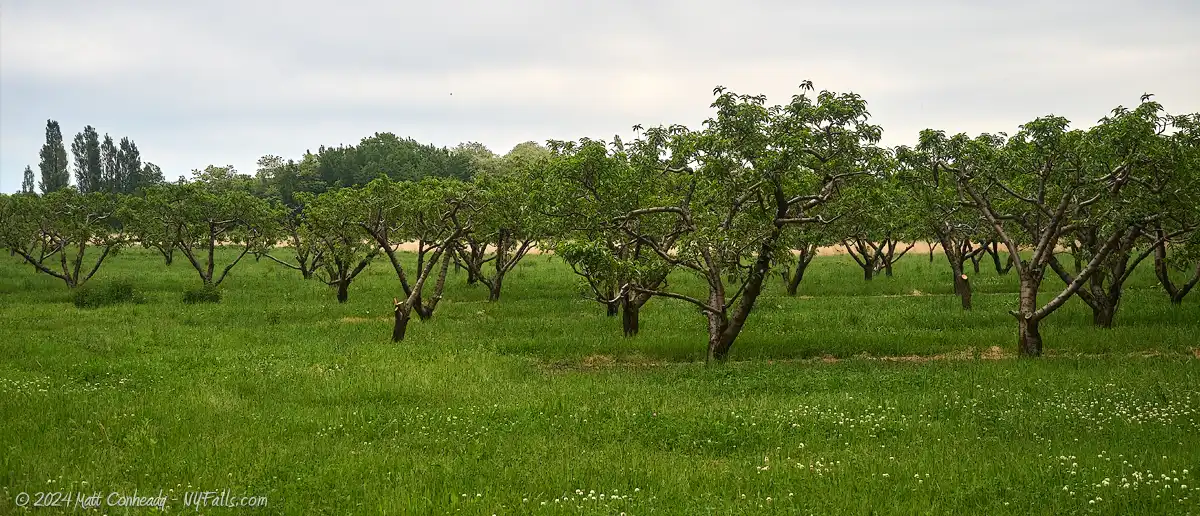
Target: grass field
[(830, 403)]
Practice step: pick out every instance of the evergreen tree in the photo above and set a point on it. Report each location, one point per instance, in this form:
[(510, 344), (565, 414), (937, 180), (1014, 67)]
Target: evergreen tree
[(79, 150), (109, 180), (89, 175), (55, 175), (151, 175), (85, 148), (27, 184), (129, 167), (95, 172)]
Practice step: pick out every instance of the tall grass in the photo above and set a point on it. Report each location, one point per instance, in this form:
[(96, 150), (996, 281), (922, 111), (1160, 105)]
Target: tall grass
[(529, 404)]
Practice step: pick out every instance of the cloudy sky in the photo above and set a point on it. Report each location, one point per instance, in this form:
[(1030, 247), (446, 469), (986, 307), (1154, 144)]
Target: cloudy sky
[(225, 82)]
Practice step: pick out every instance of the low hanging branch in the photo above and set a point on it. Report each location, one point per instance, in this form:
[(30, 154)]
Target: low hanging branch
[(508, 253), (308, 256), (66, 224), (207, 217)]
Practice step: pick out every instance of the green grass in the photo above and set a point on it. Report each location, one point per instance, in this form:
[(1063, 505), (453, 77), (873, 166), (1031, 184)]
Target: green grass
[(518, 406)]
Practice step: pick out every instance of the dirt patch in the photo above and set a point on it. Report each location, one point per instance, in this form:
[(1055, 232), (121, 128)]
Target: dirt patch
[(992, 353), (598, 360), (593, 362), (967, 354), (918, 293), (360, 320), (996, 353)]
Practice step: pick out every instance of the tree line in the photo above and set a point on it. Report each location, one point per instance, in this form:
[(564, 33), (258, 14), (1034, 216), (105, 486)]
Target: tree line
[(748, 197), (100, 165), (107, 165)]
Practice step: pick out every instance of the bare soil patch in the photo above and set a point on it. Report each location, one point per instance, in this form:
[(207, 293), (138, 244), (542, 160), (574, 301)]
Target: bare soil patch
[(596, 362), (360, 320), (995, 353)]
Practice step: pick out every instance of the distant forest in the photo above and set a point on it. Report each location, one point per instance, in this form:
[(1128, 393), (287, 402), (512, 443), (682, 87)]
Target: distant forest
[(99, 164)]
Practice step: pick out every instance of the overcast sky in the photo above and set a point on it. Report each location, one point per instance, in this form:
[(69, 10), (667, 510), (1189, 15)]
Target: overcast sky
[(225, 82)]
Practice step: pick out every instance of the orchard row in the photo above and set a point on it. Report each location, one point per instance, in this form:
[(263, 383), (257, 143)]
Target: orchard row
[(758, 188)]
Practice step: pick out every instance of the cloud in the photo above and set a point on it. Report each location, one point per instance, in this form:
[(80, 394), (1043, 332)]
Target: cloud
[(228, 81)]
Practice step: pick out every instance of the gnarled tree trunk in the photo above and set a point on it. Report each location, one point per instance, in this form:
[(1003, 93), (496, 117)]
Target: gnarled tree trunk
[(957, 253), (494, 287), (887, 254), (797, 275), (962, 287), (340, 275), (342, 290), (729, 327), (504, 261), (1102, 316), (403, 314), (865, 255), (1029, 337), (629, 318), (426, 310), (1106, 284), (631, 307), (411, 303), (1104, 303), (1029, 342), (719, 340)]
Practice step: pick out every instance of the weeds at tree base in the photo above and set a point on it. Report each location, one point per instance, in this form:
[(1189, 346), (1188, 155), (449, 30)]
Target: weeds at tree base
[(204, 294), (94, 295)]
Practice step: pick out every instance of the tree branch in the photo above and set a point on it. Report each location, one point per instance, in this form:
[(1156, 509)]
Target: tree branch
[(283, 263), (98, 262), (1067, 279), (673, 295), (1084, 275), (230, 266)]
